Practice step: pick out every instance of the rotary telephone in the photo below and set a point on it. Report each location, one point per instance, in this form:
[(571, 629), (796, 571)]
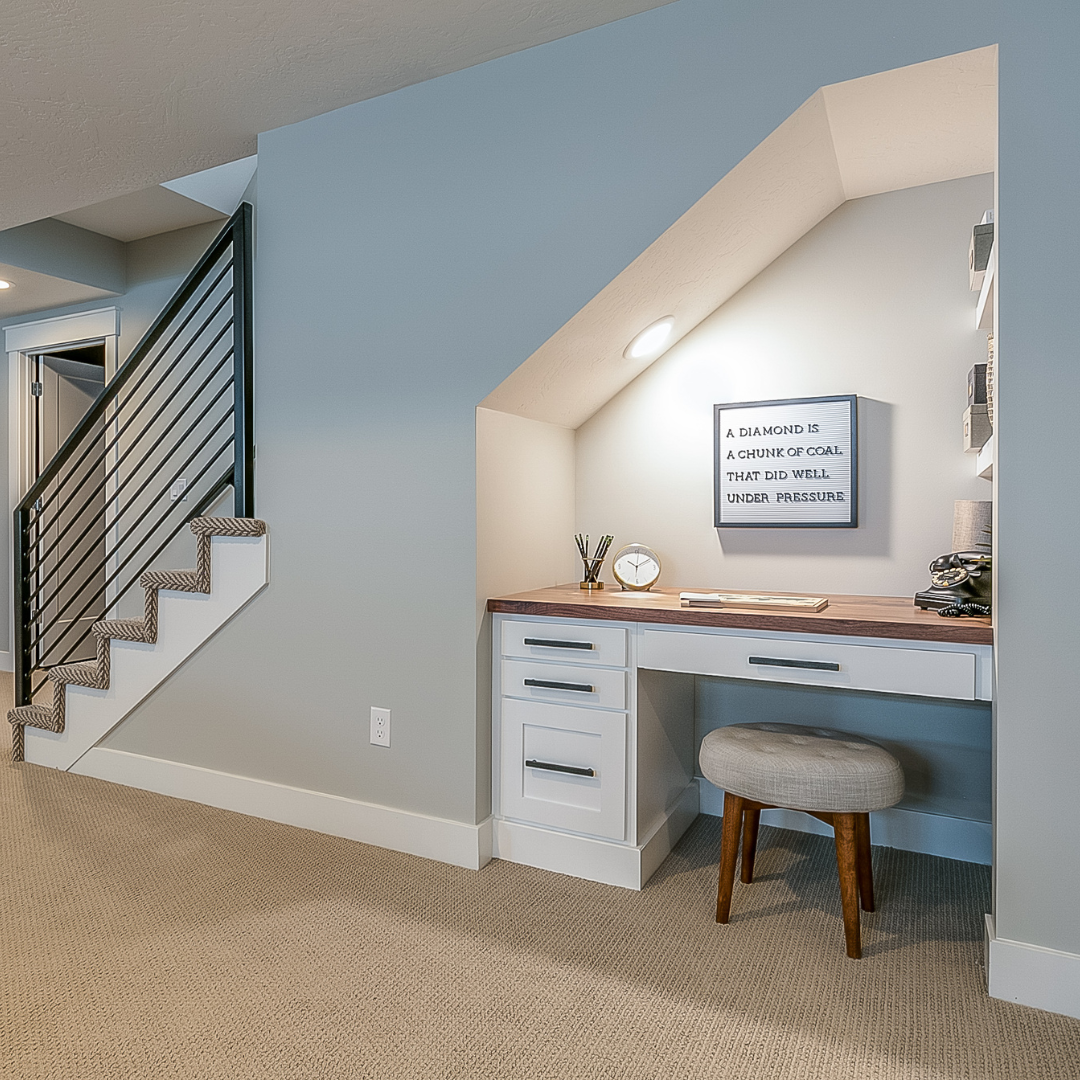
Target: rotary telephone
[(960, 584)]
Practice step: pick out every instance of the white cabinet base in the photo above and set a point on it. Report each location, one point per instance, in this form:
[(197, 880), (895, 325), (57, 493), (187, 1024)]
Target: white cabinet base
[(592, 858)]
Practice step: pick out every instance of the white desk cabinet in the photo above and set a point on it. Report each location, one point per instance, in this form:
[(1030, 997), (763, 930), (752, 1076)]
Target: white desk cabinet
[(593, 740)]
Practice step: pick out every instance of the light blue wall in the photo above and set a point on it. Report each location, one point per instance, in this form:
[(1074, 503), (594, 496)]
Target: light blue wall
[(415, 249)]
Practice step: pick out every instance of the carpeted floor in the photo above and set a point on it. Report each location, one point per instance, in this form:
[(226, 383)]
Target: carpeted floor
[(147, 937)]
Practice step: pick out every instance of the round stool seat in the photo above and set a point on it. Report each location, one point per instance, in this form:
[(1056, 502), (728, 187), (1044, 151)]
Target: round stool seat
[(802, 768)]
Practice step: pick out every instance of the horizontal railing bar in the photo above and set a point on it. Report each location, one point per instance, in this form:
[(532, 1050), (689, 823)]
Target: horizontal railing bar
[(131, 419), (141, 517), (180, 329), (128, 368), (41, 584), (39, 559), (136, 576), (219, 486)]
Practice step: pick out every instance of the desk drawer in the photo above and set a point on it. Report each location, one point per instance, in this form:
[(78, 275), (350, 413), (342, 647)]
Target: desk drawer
[(891, 670), (564, 767), (564, 683), (605, 645)]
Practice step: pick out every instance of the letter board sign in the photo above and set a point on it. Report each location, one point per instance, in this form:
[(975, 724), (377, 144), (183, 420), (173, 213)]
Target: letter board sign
[(788, 464)]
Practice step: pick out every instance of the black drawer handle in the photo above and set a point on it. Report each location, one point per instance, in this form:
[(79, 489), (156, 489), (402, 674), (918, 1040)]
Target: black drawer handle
[(547, 684), (555, 643), (815, 665), (532, 763)]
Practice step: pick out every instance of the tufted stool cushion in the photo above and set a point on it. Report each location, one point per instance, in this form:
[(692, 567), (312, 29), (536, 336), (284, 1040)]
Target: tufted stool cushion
[(803, 768)]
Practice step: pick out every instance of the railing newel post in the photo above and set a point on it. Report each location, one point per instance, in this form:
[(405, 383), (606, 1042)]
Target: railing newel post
[(243, 411)]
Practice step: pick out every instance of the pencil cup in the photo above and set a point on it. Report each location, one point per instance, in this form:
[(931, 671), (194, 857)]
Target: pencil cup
[(591, 579)]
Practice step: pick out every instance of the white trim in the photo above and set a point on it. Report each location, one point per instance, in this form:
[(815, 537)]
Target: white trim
[(7, 660), (416, 834), (62, 330), (590, 857), (1032, 974), (20, 340), (908, 830)]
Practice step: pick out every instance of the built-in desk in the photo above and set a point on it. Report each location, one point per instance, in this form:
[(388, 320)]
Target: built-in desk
[(593, 705)]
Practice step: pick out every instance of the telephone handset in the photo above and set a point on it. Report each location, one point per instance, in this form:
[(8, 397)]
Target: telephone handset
[(960, 584)]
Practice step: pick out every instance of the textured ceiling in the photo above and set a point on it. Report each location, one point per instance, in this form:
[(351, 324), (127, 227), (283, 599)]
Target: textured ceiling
[(104, 98)]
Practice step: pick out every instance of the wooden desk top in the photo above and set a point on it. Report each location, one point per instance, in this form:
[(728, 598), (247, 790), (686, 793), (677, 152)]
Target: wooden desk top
[(852, 616)]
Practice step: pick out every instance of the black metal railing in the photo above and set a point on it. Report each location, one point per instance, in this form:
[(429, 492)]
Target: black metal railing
[(161, 444)]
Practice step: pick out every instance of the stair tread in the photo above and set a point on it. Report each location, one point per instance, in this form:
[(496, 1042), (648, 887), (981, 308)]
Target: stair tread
[(209, 526), (175, 580), (37, 716), (122, 629), (85, 673)]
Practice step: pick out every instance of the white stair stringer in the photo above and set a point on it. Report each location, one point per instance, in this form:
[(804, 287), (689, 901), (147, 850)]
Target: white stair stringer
[(239, 570)]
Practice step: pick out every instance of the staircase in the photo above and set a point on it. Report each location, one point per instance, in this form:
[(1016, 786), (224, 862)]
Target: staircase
[(162, 445), (76, 722)]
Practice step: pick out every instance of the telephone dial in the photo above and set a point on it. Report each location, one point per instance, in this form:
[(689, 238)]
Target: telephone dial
[(960, 584)]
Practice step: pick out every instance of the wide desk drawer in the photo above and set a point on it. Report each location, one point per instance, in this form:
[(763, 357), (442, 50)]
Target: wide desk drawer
[(564, 767), (887, 668), (570, 644), (567, 684)]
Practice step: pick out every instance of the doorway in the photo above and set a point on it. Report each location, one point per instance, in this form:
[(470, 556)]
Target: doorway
[(71, 557)]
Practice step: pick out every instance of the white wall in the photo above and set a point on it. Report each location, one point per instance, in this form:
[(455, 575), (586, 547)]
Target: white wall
[(874, 301), (524, 534), (524, 505)]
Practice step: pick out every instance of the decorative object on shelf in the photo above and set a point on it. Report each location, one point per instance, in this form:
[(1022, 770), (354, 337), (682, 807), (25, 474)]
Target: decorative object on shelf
[(592, 564), (976, 428), (990, 379), (982, 240), (636, 567), (754, 600), (961, 577), (971, 524), (974, 611), (787, 464), (977, 385)]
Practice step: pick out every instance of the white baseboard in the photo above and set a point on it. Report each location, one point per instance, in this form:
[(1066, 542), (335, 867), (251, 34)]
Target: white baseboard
[(908, 830), (1033, 975), (416, 834), (594, 859), (7, 661)]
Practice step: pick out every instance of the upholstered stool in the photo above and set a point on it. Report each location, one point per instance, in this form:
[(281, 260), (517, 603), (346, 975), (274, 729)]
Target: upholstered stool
[(835, 777)]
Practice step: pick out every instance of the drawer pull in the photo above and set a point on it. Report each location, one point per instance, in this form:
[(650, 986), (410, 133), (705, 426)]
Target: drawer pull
[(574, 770), (773, 661), (555, 643), (548, 684)]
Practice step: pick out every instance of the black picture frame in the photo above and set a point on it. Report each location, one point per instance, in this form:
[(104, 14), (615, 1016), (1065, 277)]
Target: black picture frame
[(722, 489)]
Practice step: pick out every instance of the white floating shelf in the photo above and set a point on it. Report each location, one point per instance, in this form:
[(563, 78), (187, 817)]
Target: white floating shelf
[(984, 312), (984, 465)]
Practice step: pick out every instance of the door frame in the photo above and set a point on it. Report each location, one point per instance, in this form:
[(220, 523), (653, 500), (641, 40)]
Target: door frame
[(22, 341)]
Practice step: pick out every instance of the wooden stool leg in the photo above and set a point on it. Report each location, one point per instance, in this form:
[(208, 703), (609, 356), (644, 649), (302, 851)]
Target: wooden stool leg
[(846, 863), (866, 867), (729, 852), (751, 818)]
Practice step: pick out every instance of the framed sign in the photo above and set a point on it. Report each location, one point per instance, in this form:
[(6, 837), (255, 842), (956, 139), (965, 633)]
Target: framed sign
[(788, 464)]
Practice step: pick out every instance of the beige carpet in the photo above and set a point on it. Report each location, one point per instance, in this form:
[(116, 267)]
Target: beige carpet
[(147, 937)]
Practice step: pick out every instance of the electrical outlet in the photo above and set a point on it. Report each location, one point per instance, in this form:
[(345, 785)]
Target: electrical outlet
[(380, 726)]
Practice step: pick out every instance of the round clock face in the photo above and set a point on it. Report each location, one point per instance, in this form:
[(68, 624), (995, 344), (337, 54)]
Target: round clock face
[(636, 567)]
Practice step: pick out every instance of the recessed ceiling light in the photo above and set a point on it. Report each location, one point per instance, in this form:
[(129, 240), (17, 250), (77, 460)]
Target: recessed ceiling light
[(4, 284), (652, 340)]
